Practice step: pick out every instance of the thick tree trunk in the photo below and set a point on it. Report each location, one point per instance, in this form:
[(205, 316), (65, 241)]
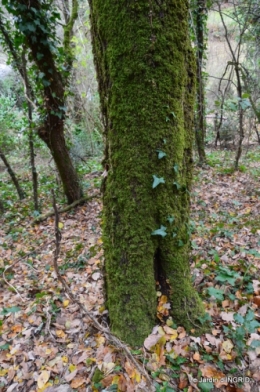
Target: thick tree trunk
[(146, 75), (12, 174)]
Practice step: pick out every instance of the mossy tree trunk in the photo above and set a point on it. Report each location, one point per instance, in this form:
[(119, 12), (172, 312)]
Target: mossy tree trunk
[(146, 74)]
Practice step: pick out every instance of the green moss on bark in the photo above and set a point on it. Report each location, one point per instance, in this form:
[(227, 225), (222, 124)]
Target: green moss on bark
[(146, 78)]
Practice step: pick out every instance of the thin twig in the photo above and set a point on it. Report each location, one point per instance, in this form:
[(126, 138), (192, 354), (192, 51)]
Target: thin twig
[(9, 284), (89, 389), (188, 317), (48, 321), (112, 338)]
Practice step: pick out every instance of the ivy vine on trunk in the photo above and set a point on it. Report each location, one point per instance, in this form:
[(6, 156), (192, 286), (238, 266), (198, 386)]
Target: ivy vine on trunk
[(35, 23), (146, 73)]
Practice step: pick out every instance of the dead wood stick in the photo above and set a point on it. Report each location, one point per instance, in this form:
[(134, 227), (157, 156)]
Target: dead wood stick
[(42, 217), (112, 338)]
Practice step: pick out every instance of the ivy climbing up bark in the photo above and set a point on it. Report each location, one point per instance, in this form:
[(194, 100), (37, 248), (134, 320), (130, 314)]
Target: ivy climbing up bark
[(146, 73), (35, 23)]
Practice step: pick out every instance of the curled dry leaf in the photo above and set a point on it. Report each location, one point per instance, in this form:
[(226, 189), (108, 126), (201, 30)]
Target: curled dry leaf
[(227, 316), (71, 376), (151, 341), (43, 379), (96, 276), (256, 286), (227, 346), (77, 382)]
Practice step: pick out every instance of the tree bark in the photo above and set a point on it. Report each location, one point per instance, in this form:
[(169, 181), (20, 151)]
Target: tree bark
[(54, 101), (28, 92), (200, 123), (12, 174), (33, 17), (146, 74)]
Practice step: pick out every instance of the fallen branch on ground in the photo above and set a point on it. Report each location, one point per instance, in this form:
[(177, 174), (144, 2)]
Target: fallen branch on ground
[(105, 330), (42, 217)]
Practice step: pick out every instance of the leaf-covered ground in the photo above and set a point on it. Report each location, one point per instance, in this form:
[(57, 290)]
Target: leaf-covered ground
[(46, 341)]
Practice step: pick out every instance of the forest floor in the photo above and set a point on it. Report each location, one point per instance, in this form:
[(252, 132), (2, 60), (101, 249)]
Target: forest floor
[(48, 341)]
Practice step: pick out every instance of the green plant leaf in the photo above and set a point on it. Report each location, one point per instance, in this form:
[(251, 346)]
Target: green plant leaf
[(176, 168), (227, 275), (255, 343), (180, 243), (161, 231), (170, 219), (217, 293), (13, 309), (5, 346), (177, 185), (157, 181), (161, 154), (206, 386), (238, 318)]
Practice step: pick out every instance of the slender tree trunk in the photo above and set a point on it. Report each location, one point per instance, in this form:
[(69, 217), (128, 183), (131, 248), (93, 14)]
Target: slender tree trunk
[(52, 133), (12, 174), (200, 123), (146, 74), (31, 13), (1, 208), (28, 93), (53, 136), (33, 169)]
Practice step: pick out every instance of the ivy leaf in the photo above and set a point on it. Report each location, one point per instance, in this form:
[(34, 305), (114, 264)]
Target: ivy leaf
[(173, 114), (161, 154), (176, 168), (177, 185), (157, 181), (161, 231), (170, 219)]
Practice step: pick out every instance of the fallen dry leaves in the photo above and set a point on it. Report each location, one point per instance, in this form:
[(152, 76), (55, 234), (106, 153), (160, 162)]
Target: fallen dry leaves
[(45, 340)]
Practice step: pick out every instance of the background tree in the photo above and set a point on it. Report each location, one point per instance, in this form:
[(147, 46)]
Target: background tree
[(146, 74), (9, 119), (199, 19), (13, 176), (35, 27)]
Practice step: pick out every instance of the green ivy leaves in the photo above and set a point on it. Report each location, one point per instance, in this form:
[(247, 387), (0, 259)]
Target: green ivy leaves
[(157, 181), (161, 154), (161, 231)]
